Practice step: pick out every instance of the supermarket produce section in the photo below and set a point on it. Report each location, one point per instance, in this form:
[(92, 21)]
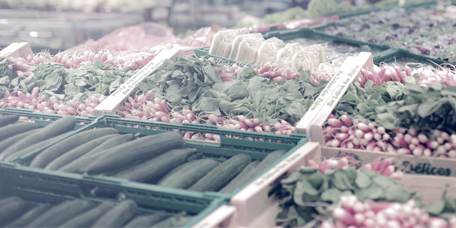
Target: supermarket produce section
[(334, 116)]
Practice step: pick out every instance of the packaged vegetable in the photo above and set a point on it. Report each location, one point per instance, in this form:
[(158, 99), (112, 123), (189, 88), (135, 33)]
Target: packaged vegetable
[(248, 49), (285, 54), (237, 41), (221, 44), (268, 51)]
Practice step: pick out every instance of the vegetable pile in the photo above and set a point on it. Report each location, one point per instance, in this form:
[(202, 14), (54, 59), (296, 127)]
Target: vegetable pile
[(17, 212), (423, 32), (334, 194)]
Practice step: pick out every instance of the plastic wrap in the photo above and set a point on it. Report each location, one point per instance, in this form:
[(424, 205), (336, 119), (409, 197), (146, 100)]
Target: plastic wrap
[(309, 58), (268, 51), (248, 49), (285, 54), (237, 41), (221, 44)]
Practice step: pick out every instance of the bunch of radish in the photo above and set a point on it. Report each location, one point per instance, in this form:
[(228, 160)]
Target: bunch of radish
[(427, 75), (132, 59), (17, 99), (344, 133), (142, 108), (352, 213), (384, 167), (275, 73), (20, 67)]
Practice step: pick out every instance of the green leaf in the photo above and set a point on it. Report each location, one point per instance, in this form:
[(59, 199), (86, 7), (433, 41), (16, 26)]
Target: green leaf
[(210, 72), (435, 208), (363, 180), (383, 181), (436, 86), (172, 94), (428, 107), (450, 90), (397, 193), (331, 195)]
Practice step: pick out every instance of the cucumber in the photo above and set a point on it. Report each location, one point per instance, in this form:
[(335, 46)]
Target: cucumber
[(222, 174), (187, 174), (136, 151), (15, 154), (195, 156), (14, 129), (157, 167), (60, 126), (5, 120), (8, 200), (235, 182), (77, 152), (61, 213), (31, 215), (146, 220), (12, 140), (88, 158), (88, 218), (54, 151), (176, 221), (241, 180), (13, 210), (119, 215)]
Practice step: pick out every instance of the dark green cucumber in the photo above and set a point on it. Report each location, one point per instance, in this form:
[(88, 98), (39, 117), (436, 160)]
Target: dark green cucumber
[(88, 158), (175, 221), (5, 120), (31, 215), (13, 210), (77, 152), (15, 154), (119, 215), (60, 126), (188, 174), (88, 218), (241, 180), (235, 182), (9, 200), (61, 213), (222, 174), (157, 167), (56, 150), (136, 151), (12, 140), (146, 220), (195, 156), (15, 129)]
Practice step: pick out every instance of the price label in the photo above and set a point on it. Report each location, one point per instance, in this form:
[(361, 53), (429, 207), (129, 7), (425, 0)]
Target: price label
[(17, 50)]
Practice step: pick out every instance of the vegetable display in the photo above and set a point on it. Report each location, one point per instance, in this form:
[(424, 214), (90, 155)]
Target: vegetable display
[(17, 212)]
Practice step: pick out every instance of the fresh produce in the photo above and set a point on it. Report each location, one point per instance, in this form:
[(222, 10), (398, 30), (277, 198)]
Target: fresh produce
[(17, 212), (423, 32)]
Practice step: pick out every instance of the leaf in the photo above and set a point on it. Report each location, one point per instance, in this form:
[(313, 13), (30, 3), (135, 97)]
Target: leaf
[(316, 179), (397, 193), (384, 182), (172, 94), (210, 72), (386, 120), (450, 90), (331, 195), (53, 82), (192, 94), (436, 86), (362, 180), (428, 107), (71, 90)]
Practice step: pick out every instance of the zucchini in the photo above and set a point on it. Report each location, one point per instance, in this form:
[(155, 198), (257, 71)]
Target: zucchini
[(12, 140), (31, 215), (241, 180), (14, 129), (136, 151), (157, 167), (60, 126), (146, 220), (187, 174), (5, 120), (61, 213), (88, 218), (8, 200), (13, 210), (15, 154), (77, 152), (88, 158), (54, 151), (222, 174), (233, 184), (119, 215)]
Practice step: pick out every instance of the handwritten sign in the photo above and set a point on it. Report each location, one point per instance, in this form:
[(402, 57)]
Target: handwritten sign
[(111, 104), (17, 50)]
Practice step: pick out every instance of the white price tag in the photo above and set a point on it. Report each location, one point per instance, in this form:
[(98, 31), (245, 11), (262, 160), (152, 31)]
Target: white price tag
[(17, 50)]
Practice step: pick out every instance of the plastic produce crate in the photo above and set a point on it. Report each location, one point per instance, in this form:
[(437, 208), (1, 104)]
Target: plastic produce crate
[(39, 186), (43, 119), (393, 55), (204, 52)]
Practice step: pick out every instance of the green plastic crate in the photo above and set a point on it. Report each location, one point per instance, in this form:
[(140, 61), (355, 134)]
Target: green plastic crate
[(43, 119), (390, 55), (41, 186), (222, 151)]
